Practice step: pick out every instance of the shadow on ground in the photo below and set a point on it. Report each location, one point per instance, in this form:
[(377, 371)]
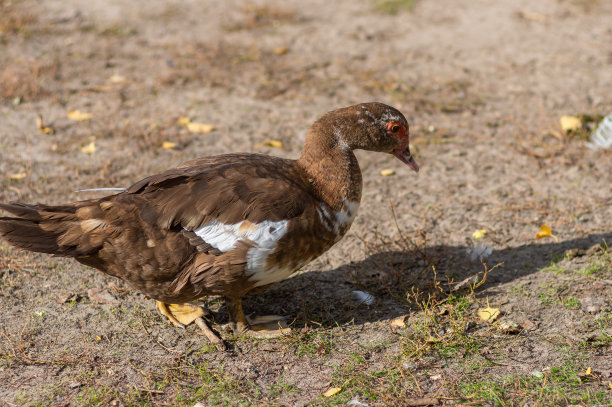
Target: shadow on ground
[(324, 298)]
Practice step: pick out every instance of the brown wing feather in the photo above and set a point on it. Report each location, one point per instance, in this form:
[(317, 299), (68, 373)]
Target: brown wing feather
[(228, 188), (144, 235)]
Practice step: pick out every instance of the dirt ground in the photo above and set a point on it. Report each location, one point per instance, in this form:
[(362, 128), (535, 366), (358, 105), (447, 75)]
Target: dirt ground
[(483, 85)]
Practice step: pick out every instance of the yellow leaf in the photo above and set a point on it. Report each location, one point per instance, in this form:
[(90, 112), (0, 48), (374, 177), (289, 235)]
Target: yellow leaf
[(77, 115), (545, 232), (98, 338), (610, 385), (588, 371), (281, 50), (479, 234), (89, 148), (116, 79), (387, 171), (332, 391), (196, 127), (569, 123), (533, 16), (270, 143), (168, 145), (488, 314), (18, 175), (398, 322), (184, 121)]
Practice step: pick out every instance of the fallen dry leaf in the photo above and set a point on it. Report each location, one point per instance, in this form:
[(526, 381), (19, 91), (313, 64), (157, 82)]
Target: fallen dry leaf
[(488, 314), (89, 148), (183, 121), (466, 282), (387, 171), (545, 232), (532, 16), (588, 371), (77, 115), (67, 298), (196, 127), (167, 145), (569, 123), (443, 310), (332, 391), (116, 79), (281, 50), (101, 296), (398, 322), (478, 234), (18, 175), (270, 143), (420, 402)]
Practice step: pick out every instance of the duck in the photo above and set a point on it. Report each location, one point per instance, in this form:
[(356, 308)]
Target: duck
[(228, 225)]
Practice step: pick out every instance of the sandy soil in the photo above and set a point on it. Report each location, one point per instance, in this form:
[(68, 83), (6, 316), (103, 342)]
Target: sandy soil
[(483, 85)]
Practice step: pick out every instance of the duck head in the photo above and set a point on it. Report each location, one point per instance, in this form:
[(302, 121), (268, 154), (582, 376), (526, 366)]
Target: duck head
[(368, 126)]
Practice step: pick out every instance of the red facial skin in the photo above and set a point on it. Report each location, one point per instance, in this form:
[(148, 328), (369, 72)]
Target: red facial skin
[(403, 150)]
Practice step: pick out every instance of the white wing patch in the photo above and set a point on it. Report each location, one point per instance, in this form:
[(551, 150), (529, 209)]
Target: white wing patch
[(219, 235), (264, 235)]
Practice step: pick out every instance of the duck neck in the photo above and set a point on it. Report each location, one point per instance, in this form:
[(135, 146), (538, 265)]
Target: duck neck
[(331, 169)]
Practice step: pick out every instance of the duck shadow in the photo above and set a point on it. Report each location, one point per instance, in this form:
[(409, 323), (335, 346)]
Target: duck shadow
[(325, 299)]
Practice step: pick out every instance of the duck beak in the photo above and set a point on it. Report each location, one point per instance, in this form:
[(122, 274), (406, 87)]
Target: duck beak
[(405, 157)]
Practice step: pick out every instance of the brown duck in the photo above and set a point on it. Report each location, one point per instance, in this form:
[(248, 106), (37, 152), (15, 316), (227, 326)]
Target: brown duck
[(225, 225)]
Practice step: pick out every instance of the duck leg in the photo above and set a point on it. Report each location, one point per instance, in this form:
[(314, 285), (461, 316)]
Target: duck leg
[(184, 314), (269, 326)]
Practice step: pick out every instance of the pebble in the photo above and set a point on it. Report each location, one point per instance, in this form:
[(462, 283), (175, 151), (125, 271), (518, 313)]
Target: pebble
[(592, 305), (510, 327)]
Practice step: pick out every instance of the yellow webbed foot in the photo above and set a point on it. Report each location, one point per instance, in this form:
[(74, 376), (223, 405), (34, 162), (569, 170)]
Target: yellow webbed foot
[(270, 326), (182, 315)]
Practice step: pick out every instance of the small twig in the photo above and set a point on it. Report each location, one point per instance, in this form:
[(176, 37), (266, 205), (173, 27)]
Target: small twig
[(148, 390), (170, 350), (143, 326)]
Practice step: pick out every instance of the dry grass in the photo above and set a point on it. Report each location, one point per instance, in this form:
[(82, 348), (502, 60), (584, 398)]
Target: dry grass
[(261, 16), (26, 80), (14, 20)]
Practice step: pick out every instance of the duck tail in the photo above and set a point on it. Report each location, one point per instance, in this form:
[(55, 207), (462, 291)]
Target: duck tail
[(49, 229)]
